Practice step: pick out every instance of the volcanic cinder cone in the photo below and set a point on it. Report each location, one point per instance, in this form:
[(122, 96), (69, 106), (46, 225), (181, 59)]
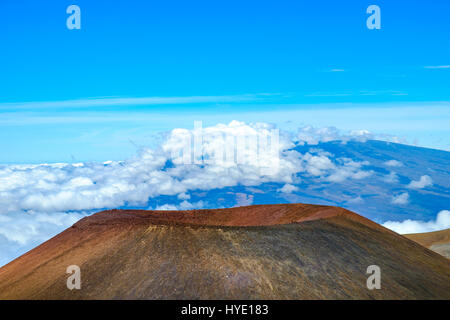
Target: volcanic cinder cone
[(291, 251)]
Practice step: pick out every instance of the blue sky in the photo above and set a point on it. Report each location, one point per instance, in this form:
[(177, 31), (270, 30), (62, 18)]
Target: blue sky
[(288, 62)]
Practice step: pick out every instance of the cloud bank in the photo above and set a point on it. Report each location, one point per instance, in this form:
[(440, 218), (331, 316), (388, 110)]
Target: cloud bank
[(415, 226), (66, 187)]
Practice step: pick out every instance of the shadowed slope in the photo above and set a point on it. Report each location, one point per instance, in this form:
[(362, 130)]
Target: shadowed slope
[(290, 251)]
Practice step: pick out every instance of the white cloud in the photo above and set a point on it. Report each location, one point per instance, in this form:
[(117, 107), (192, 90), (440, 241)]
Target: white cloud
[(185, 205), (92, 186), (438, 67), (349, 170), (391, 177), (243, 199), (401, 199), (124, 101), (415, 226), (184, 196), (254, 190), (20, 229), (167, 207), (313, 136), (357, 200), (342, 169), (288, 188), (317, 165), (423, 182), (393, 163)]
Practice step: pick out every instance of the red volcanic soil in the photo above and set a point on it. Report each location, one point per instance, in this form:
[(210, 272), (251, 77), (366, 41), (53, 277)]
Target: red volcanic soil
[(257, 215), (289, 251)]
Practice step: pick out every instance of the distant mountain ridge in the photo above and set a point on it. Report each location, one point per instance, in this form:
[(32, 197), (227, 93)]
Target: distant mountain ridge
[(372, 196)]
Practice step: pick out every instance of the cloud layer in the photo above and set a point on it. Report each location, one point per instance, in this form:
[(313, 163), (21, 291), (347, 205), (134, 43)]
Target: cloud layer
[(88, 186), (441, 222)]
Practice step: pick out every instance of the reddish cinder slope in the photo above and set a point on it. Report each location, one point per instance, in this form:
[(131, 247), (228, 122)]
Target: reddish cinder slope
[(257, 215), (291, 251), (438, 241)]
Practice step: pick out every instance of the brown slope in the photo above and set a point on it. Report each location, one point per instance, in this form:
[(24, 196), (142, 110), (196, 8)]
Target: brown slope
[(290, 251), (438, 241)]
